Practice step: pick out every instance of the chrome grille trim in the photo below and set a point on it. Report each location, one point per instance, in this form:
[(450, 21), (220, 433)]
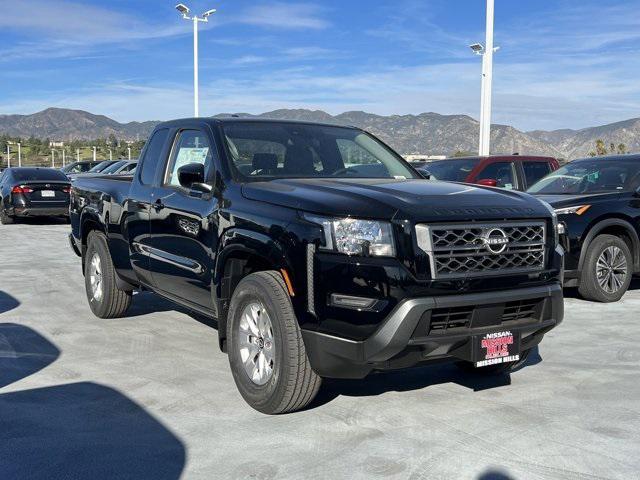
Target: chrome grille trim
[(464, 250)]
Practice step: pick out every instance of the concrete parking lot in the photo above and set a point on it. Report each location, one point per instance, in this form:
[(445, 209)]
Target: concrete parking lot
[(151, 396)]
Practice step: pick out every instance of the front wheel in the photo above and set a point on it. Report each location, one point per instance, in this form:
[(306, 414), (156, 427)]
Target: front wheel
[(267, 355), (608, 266), (106, 300)]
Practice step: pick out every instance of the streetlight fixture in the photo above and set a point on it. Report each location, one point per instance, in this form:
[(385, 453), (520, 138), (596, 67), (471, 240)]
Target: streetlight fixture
[(184, 11), (487, 81)]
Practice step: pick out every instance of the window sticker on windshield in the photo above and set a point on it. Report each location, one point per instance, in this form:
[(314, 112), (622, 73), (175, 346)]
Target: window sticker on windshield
[(399, 177)]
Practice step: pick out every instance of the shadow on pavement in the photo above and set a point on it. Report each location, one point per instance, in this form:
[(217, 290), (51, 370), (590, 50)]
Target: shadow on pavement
[(7, 302), (40, 221), (83, 430), (415, 378), (572, 292), (23, 352), (79, 430), (495, 475)]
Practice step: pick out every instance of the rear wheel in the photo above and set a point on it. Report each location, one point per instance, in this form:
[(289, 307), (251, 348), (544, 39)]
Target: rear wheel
[(6, 219), (266, 351), (106, 300), (608, 266), (499, 369)]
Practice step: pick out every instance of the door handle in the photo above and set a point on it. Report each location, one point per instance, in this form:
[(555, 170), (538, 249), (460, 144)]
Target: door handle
[(158, 205)]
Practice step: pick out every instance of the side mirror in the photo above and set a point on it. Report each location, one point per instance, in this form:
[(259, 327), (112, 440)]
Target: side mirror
[(191, 176), (425, 174), (637, 192), (488, 182)]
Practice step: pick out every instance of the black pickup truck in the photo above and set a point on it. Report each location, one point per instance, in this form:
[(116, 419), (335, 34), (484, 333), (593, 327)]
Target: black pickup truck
[(321, 253)]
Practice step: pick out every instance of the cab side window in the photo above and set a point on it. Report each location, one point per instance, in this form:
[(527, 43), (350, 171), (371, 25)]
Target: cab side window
[(191, 146), (501, 172), (151, 158)]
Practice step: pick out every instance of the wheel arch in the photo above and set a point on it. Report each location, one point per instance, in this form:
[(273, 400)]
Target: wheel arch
[(618, 227), (241, 253)]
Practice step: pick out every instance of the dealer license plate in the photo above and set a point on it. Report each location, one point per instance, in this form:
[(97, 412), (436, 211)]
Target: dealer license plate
[(496, 347), (47, 193)]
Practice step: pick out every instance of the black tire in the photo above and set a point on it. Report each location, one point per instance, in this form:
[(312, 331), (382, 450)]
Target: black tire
[(499, 369), (292, 385), (4, 218), (590, 288), (113, 302)]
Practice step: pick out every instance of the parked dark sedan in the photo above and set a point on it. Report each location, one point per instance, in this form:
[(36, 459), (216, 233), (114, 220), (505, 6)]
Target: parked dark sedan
[(598, 201), (31, 192)]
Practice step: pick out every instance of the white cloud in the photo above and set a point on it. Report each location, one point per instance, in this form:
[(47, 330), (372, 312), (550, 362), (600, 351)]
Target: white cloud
[(81, 24), (283, 15)]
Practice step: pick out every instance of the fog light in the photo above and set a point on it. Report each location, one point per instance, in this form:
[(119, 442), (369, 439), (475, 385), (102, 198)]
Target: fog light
[(347, 301)]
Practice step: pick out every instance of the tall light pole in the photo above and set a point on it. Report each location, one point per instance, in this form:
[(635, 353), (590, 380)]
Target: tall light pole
[(63, 157), (77, 154), (487, 82), (19, 154), (8, 156), (129, 153), (53, 160), (94, 154), (184, 11)]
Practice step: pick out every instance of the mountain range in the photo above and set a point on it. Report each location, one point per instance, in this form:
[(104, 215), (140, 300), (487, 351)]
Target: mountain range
[(426, 133)]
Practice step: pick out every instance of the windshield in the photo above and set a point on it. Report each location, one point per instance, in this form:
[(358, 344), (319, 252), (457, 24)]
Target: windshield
[(590, 176), (453, 170), (288, 150), (113, 168), (101, 166)]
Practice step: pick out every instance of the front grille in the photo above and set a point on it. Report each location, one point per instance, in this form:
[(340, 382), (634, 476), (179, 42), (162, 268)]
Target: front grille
[(458, 251)]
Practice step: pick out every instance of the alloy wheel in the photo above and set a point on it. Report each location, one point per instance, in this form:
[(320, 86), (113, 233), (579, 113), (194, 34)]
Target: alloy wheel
[(95, 277), (611, 269), (255, 342)]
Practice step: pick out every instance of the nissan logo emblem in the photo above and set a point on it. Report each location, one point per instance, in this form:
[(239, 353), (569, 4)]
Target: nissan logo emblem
[(495, 240)]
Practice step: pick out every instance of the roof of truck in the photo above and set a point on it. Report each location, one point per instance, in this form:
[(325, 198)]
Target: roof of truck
[(234, 119)]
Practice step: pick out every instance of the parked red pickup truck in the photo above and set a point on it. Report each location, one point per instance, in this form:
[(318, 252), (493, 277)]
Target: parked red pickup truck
[(514, 172)]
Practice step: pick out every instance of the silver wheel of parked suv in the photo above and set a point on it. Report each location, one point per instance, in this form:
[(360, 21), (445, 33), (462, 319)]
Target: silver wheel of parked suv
[(607, 270)]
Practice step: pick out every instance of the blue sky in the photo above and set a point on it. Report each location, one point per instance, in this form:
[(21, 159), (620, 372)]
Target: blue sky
[(562, 63)]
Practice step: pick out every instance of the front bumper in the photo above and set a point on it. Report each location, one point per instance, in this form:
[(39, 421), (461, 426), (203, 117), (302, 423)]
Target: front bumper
[(408, 335)]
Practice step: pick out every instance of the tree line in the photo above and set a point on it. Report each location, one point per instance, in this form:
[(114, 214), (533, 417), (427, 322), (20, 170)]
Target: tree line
[(37, 151)]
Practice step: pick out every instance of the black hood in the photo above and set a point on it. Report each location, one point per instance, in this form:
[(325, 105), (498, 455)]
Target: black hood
[(418, 200)]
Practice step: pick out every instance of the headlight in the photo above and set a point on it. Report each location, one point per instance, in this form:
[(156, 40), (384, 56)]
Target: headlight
[(578, 210), (356, 237)]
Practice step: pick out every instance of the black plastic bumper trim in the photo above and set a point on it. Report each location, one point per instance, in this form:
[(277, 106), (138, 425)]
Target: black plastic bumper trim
[(340, 357)]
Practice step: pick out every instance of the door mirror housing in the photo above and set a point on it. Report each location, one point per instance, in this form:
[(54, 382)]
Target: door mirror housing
[(488, 182), (425, 174), (191, 177)]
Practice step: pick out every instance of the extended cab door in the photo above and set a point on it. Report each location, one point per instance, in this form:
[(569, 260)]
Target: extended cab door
[(138, 210), (184, 233)]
